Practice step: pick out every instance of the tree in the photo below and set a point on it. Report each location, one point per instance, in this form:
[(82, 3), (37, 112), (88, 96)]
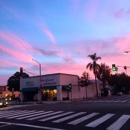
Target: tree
[(120, 83), (14, 81), (93, 66), (84, 80), (104, 73)]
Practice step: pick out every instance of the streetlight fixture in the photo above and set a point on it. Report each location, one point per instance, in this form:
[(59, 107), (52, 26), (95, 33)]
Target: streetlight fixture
[(39, 75), (125, 52)]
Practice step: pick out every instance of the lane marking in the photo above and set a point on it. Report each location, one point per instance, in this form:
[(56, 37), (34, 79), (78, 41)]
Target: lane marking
[(79, 120), (32, 126), (119, 123), (99, 120), (68, 117), (49, 118)]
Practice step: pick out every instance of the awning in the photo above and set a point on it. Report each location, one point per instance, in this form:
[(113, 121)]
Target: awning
[(65, 87), (30, 89), (49, 88)]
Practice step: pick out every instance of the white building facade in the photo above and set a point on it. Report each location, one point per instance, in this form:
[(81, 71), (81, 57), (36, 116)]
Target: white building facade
[(55, 87)]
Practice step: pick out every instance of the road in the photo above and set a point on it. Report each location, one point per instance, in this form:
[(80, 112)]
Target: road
[(99, 114)]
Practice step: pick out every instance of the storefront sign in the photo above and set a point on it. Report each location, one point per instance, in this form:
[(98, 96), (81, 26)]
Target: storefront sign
[(29, 83), (48, 81)]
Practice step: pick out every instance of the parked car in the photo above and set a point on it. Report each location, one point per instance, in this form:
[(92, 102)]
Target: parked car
[(3, 102), (8, 99)]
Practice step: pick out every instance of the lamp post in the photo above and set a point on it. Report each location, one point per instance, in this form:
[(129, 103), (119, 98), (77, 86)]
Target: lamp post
[(39, 75), (125, 52)]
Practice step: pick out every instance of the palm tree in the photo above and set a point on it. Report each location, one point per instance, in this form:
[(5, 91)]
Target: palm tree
[(93, 66)]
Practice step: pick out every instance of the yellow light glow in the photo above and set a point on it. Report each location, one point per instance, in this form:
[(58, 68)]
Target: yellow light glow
[(6, 103), (55, 91), (31, 59), (1, 103)]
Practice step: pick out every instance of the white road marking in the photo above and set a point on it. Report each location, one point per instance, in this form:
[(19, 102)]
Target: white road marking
[(41, 113), (32, 126), (49, 118), (45, 115), (124, 101), (99, 121), (13, 114), (3, 125), (79, 120), (21, 114), (15, 106), (117, 101), (68, 117), (119, 123)]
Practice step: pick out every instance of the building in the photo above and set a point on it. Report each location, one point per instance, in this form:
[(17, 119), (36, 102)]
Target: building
[(4, 92), (56, 86)]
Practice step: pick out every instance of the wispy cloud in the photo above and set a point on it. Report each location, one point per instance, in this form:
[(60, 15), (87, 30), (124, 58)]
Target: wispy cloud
[(16, 42), (121, 13), (19, 55), (10, 10)]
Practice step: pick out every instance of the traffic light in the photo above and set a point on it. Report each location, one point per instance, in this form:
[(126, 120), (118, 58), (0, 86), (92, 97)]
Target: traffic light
[(114, 68), (125, 67), (21, 69)]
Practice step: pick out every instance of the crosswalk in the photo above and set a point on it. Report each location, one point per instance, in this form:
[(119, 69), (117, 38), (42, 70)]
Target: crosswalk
[(108, 101), (70, 118)]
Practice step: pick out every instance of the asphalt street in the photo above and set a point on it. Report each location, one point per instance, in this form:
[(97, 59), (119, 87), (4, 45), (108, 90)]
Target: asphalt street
[(99, 114)]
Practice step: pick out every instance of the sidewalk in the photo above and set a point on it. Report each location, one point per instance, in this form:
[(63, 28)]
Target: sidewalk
[(35, 102), (93, 98), (55, 102)]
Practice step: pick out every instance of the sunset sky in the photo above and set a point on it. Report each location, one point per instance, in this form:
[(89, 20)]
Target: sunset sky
[(60, 34)]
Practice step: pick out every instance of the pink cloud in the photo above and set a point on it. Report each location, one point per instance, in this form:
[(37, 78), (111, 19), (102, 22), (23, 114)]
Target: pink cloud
[(3, 79), (123, 44), (19, 55), (6, 64), (120, 13), (16, 42), (49, 34), (91, 9)]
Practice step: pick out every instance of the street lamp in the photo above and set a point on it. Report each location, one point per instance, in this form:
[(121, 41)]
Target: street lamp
[(39, 75), (125, 52)]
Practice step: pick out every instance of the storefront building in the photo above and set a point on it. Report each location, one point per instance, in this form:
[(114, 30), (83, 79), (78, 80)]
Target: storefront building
[(52, 87)]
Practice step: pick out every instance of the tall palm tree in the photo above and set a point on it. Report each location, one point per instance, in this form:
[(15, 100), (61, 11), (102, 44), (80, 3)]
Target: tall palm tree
[(93, 66)]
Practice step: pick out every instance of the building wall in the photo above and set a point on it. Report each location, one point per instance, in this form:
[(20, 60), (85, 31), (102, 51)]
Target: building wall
[(60, 80), (73, 80), (4, 92)]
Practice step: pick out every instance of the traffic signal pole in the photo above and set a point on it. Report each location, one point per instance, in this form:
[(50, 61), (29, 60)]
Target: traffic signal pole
[(125, 67)]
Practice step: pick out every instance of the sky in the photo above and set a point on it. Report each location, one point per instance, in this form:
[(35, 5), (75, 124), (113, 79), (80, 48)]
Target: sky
[(60, 34)]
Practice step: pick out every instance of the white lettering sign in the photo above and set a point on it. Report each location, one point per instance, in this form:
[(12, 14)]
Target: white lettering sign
[(48, 81)]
